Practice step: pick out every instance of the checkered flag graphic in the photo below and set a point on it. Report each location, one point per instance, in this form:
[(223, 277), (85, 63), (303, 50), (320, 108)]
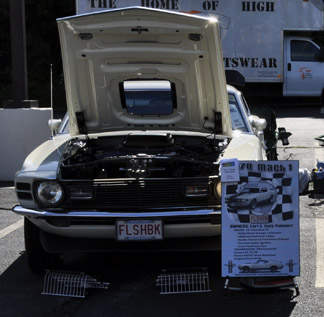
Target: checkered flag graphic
[(282, 208)]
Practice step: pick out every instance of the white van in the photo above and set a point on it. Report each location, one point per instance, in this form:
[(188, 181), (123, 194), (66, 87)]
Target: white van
[(277, 45)]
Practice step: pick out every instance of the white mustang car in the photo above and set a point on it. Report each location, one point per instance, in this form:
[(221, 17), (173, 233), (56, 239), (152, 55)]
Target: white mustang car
[(149, 122), (251, 195), (261, 265)]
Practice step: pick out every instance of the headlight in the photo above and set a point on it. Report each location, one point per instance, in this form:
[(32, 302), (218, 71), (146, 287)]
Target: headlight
[(218, 189), (49, 193)]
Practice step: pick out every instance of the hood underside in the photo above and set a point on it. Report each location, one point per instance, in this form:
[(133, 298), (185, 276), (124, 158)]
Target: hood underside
[(143, 69)]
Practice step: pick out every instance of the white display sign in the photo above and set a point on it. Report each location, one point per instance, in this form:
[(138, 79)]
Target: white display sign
[(260, 220)]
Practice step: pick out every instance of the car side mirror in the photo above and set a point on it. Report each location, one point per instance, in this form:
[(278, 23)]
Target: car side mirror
[(257, 123), (54, 124)]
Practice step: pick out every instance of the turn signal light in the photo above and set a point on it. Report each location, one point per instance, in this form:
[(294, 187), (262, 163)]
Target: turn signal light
[(196, 191), (80, 193)]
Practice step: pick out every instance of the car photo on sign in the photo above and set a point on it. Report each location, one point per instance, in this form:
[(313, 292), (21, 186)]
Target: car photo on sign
[(261, 265), (253, 195)]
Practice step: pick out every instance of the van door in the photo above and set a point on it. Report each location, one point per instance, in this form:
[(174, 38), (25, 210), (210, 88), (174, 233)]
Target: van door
[(303, 72)]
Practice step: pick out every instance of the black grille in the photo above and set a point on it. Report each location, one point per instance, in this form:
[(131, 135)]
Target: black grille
[(139, 194)]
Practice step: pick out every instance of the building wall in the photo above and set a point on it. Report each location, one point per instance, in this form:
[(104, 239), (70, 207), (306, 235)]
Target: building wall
[(21, 130)]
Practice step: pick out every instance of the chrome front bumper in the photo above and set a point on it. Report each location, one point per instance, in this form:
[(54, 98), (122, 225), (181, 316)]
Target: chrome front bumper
[(96, 214)]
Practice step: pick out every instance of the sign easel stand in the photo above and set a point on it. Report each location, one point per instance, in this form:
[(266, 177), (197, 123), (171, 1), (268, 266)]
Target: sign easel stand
[(294, 282), (227, 287)]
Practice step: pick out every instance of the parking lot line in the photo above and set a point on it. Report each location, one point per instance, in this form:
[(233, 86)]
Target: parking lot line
[(11, 228), (319, 223), (319, 282)]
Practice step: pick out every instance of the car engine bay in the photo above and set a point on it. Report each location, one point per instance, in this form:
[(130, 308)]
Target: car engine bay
[(141, 155)]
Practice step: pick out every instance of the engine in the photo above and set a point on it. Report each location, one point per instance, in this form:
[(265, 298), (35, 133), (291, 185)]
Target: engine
[(141, 155)]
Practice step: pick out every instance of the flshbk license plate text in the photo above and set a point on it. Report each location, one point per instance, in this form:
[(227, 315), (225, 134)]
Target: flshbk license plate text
[(139, 230)]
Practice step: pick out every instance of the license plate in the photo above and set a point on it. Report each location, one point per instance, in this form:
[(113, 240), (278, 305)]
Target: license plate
[(259, 218), (139, 230)]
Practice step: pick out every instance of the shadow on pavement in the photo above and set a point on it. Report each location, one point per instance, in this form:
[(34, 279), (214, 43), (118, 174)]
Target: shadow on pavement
[(133, 292), (298, 112)]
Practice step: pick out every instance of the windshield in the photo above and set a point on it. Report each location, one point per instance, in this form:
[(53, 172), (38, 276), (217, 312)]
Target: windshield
[(238, 122), (160, 102), (250, 190)]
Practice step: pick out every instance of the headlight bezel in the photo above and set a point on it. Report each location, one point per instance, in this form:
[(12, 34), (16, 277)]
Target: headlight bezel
[(40, 188)]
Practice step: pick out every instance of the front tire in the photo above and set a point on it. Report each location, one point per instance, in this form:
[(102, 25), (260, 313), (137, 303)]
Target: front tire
[(37, 258), (273, 269), (253, 204), (273, 199)]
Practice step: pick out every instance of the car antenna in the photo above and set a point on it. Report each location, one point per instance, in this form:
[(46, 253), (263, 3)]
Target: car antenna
[(52, 112)]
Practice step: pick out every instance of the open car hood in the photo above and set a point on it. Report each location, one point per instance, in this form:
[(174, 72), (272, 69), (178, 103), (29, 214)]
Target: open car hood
[(109, 55)]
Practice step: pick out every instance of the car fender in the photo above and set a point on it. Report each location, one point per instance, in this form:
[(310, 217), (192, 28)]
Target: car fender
[(46, 156), (245, 146)]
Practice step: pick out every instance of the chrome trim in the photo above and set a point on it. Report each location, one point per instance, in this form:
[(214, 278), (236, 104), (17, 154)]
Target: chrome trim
[(78, 214)]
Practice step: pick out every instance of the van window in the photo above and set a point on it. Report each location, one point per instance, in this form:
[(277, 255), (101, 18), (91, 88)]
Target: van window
[(304, 51), (148, 97)]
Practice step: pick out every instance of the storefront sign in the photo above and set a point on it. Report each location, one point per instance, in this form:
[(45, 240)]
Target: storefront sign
[(260, 220), (207, 6)]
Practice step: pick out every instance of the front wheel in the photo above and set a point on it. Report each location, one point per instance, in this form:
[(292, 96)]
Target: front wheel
[(272, 199), (37, 258), (253, 204), (273, 269)]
